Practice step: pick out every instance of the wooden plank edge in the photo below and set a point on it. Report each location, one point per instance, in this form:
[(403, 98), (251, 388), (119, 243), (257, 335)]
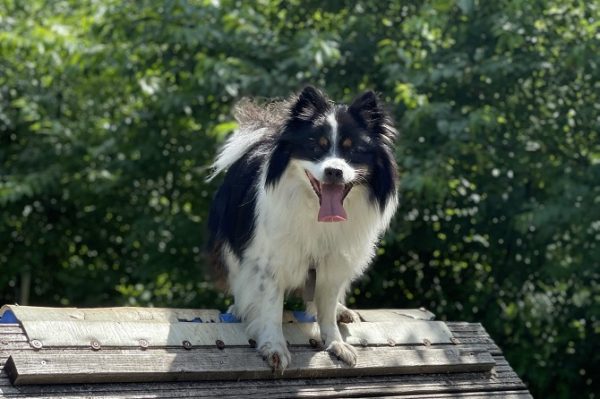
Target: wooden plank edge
[(461, 381), (44, 368)]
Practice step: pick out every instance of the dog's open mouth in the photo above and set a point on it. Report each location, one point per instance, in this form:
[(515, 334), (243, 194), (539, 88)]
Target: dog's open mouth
[(331, 199)]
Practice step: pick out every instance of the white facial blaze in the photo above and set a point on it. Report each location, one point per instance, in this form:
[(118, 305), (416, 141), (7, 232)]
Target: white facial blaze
[(334, 132)]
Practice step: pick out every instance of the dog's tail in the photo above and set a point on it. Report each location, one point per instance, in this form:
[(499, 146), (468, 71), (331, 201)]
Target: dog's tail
[(256, 122)]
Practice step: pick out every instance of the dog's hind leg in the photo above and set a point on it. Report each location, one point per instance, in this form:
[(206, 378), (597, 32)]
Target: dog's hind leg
[(345, 315), (259, 302)]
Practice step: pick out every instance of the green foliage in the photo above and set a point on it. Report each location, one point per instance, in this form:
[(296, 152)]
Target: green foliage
[(110, 113)]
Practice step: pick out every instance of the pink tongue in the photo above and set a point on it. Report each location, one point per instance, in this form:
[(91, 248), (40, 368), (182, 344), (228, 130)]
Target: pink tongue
[(331, 209)]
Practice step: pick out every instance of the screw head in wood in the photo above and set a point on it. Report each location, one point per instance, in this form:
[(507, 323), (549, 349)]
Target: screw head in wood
[(220, 344), (187, 345), (95, 345), (36, 344), (426, 342), (313, 342), (143, 343), (364, 343), (391, 342), (454, 341)]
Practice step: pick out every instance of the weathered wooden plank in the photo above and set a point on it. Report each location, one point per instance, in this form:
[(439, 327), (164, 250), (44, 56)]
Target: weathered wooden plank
[(160, 315), (471, 339), (13, 346), (500, 361), (397, 315), (404, 333), (474, 395), (173, 315), (10, 329), (404, 379), (469, 334), (63, 333), (230, 364), (244, 389), (13, 337), (474, 331), (492, 347), (4, 381), (464, 325), (335, 387), (252, 392)]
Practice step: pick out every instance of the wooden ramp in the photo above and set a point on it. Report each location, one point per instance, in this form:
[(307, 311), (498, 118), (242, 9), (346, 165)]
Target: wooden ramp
[(138, 353)]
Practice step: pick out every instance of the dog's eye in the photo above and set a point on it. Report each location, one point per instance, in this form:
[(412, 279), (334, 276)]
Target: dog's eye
[(323, 142)]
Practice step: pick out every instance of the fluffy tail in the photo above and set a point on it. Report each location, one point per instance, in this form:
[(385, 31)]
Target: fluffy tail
[(256, 122)]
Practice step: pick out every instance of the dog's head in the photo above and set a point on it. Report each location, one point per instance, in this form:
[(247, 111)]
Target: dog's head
[(339, 147)]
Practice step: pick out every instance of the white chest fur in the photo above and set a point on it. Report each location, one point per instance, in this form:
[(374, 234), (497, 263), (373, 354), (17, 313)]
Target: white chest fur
[(288, 238)]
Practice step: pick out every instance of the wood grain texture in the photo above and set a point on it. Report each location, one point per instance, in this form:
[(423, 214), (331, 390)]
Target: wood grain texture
[(174, 315), (230, 364), (10, 329), (378, 386), (159, 315), (80, 333), (397, 315), (406, 332)]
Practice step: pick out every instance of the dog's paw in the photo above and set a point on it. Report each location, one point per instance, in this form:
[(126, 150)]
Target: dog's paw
[(345, 315), (276, 355), (344, 352)]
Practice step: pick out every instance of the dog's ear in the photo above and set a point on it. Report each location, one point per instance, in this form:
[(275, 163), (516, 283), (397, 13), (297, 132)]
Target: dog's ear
[(309, 104), (383, 177), (367, 110), (370, 113)]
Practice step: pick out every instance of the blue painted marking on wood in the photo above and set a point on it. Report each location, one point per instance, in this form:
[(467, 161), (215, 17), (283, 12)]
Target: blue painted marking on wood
[(8, 317), (300, 316), (228, 318), (303, 317)]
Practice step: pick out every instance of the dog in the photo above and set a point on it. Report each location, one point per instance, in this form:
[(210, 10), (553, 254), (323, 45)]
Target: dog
[(309, 185)]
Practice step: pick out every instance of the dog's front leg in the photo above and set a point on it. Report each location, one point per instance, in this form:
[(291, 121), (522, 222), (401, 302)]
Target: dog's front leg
[(326, 300), (259, 302)]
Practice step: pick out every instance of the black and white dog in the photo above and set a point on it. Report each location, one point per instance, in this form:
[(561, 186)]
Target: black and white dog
[(292, 166)]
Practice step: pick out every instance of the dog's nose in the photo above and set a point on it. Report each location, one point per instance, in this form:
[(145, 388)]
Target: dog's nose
[(334, 175)]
